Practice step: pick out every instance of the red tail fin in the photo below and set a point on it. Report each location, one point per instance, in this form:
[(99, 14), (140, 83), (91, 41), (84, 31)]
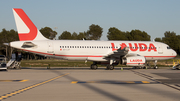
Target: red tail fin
[(26, 29)]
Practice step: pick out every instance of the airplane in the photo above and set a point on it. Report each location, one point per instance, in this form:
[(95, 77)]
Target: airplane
[(109, 53)]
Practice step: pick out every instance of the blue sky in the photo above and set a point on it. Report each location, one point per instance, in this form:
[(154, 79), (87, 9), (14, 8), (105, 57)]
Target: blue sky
[(152, 16)]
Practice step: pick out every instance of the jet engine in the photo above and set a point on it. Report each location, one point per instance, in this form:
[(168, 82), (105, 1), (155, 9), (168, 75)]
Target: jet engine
[(134, 61)]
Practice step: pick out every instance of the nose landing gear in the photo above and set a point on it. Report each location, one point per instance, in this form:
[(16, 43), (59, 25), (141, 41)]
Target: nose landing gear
[(155, 66)]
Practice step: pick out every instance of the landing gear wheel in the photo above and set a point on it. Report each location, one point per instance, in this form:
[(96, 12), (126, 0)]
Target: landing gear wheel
[(107, 67), (94, 67), (144, 67), (155, 67), (110, 67)]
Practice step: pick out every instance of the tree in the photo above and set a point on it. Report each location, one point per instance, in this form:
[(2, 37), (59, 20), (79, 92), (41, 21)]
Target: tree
[(158, 39), (74, 36), (94, 32), (48, 32), (169, 34), (116, 34), (138, 35), (81, 36), (134, 35), (65, 35), (7, 37), (172, 40)]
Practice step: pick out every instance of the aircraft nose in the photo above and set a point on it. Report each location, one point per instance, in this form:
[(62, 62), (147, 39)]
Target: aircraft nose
[(174, 53)]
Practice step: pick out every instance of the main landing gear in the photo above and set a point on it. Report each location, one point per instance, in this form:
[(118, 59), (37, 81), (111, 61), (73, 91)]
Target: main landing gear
[(94, 66), (110, 67)]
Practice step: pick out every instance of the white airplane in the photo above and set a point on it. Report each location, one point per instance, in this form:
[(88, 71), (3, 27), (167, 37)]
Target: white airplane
[(110, 53)]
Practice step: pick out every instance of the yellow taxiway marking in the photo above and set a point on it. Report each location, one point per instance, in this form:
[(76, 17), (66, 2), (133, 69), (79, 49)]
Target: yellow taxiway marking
[(129, 82), (113, 82), (13, 80), (27, 88), (74, 82), (23, 80), (145, 82)]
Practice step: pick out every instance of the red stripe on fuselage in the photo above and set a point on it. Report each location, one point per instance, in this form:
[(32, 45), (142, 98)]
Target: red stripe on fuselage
[(62, 55), (159, 56), (80, 55)]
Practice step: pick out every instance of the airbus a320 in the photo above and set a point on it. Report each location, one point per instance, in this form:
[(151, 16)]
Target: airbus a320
[(109, 53)]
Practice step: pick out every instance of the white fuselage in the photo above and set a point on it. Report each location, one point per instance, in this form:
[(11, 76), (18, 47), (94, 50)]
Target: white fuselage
[(96, 50)]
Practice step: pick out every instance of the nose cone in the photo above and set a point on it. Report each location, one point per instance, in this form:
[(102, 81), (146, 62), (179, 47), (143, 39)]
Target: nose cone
[(174, 53)]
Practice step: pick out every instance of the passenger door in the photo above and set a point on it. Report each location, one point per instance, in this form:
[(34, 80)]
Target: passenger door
[(50, 48), (160, 49)]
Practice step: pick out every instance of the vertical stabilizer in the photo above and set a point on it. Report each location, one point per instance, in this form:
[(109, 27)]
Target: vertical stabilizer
[(26, 29)]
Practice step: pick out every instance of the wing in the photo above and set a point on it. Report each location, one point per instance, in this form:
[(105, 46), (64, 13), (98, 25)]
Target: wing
[(118, 53)]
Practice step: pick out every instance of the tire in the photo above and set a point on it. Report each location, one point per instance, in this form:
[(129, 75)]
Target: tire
[(93, 67), (111, 67), (155, 67), (107, 67)]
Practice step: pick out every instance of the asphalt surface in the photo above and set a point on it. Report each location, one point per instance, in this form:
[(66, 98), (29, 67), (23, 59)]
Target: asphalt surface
[(79, 84)]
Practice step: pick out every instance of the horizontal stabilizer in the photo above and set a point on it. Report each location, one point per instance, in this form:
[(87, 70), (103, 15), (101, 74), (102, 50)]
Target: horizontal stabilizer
[(28, 45)]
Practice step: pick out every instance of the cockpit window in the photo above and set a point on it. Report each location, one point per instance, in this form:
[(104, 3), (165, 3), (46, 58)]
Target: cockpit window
[(168, 47)]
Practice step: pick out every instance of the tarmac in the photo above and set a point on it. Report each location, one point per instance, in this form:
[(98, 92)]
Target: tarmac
[(84, 84)]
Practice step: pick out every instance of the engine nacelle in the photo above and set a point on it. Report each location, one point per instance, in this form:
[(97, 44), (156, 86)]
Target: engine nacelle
[(134, 61)]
